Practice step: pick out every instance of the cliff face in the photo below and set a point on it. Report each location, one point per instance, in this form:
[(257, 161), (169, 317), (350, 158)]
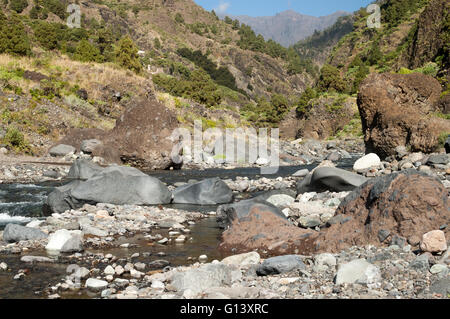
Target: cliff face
[(431, 36), (289, 27)]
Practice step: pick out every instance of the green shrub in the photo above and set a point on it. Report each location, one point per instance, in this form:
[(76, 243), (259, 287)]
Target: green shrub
[(126, 56), (330, 79), (13, 37), (18, 5), (15, 140), (179, 18), (87, 52)]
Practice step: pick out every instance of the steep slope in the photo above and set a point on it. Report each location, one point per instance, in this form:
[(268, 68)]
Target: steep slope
[(289, 27), (318, 46), (199, 67)]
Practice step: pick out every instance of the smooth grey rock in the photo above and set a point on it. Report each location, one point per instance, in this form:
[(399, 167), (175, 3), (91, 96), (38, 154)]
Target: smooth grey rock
[(441, 286), (332, 179), (279, 265), (200, 279), (421, 263), (89, 230), (14, 233), (210, 191), (83, 169), (280, 200), (51, 174), (301, 173), (61, 150), (38, 259), (226, 214), (88, 146), (442, 159), (121, 186), (60, 199), (358, 271)]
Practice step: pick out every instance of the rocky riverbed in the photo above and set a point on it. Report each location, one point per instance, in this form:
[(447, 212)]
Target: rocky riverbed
[(121, 250)]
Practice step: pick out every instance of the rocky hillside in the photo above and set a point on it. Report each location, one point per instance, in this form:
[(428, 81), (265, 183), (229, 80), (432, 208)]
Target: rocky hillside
[(55, 79), (289, 27), (319, 45), (413, 38)]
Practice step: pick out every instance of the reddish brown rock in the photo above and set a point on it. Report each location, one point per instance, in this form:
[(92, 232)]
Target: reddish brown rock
[(140, 137), (405, 204), (268, 234), (434, 242), (397, 110)]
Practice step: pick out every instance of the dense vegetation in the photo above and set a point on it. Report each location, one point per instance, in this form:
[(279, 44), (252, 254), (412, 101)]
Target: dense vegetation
[(221, 76)]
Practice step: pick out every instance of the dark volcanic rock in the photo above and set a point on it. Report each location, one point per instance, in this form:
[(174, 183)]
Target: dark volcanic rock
[(330, 178), (264, 231), (279, 265), (393, 203), (83, 169), (226, 214), (207, 192), (395, 111)]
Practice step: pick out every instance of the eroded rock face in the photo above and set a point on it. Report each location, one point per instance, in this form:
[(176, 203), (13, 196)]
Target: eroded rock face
[(392, 204), (396, 111), (140, 138)]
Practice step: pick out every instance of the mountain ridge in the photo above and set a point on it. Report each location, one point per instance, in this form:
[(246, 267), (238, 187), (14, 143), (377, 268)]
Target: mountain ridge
[(288, 27)]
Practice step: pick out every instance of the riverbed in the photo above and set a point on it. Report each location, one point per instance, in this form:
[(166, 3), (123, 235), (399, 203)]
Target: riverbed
[(20, 203)]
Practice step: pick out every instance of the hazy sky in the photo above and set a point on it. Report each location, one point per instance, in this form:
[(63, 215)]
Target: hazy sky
[(271, 7)]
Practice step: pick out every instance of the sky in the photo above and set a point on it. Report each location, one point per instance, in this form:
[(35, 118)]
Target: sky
[(256, 8)]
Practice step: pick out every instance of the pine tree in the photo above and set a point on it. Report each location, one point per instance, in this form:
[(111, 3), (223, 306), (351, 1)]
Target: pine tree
[(86, 52), (126, 55)]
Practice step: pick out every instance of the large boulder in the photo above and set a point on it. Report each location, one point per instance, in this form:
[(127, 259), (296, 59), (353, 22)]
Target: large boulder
[(83, 169), (61, 150), (226, 214), (397, 110), (330, 178), (15, 233), (265, 230), (117, 185), (141, 137), (210, 191), (387, 208), (60, 199), (122, 186)]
